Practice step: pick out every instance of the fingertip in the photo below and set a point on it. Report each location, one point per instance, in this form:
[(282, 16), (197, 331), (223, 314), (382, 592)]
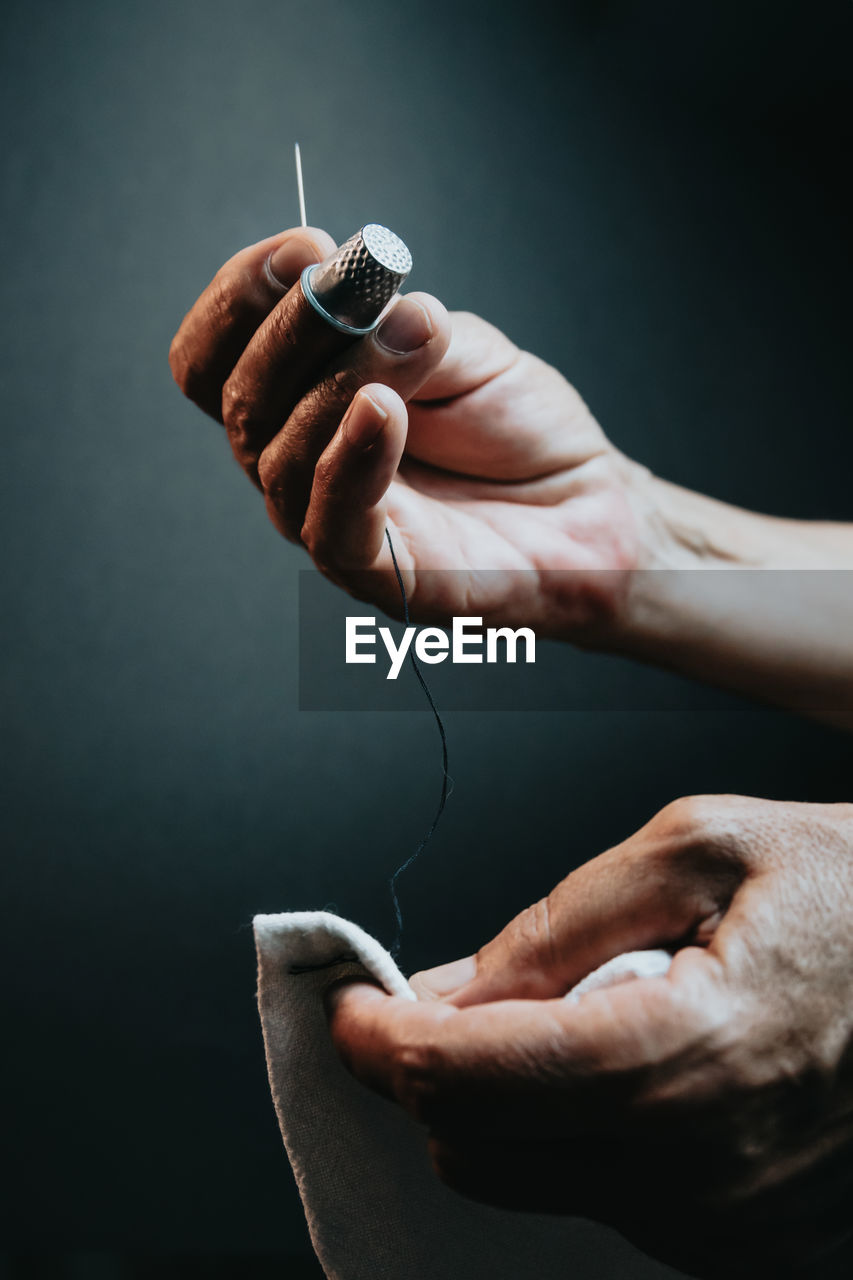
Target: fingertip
[(322, 243), (346, 996), (299, 248), (415, 326), (386, 400), (364, 420), (445, 980), (441, 321), (435, 309), (376, 412)]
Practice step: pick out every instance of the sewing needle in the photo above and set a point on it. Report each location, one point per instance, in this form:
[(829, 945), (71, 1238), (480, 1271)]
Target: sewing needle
[(302, 214)]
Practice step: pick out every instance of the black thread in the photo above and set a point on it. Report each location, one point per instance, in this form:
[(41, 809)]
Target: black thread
[(446, 780)]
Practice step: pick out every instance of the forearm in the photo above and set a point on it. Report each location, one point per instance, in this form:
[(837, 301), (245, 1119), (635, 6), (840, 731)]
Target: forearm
[(689, 530), (760, 605)]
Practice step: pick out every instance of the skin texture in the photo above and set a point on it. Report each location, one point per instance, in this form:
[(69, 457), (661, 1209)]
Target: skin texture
[(474, 453), (478, 456), (708, 1114)]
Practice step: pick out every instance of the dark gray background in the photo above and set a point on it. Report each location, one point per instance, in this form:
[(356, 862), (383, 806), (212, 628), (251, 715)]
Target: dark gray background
[(653, 197)]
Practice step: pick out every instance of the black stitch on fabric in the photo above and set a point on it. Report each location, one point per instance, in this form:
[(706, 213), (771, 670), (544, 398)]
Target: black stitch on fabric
[(346, 957)]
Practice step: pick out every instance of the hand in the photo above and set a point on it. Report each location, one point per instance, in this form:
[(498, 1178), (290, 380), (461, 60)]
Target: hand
[(480, 457), (708, 1114), (476, 455)]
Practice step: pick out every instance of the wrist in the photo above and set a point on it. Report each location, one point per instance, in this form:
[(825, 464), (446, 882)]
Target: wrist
[(678, 534), (768, 626), (648, 532), (680, 529)]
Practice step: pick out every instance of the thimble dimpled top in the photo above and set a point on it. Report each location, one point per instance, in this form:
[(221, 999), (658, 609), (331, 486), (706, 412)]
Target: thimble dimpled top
[(354, 284)]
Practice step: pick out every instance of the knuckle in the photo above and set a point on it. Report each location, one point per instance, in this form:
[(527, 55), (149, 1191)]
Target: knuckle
[(279, 481), (223, 299), (686, 816), (325, 474), (344, 384), (187, 371), (713, 824), (530, 934), (415, 1075), (234, 406), (311, 537), (240, 423), (699, 846), (217, 311), (283, 483), (269, 473), (527, 943)]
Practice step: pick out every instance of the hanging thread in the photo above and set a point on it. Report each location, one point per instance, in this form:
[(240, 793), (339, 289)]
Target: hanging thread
[(446, 780)]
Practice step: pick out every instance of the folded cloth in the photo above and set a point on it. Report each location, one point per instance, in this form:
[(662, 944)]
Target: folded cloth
[(375, 1209)]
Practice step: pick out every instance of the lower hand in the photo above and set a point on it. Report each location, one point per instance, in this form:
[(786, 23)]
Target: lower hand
[(707, 1114)]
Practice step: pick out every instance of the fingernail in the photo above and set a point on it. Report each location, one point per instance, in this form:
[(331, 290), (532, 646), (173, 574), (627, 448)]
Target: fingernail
[(406, 327), (448, 977), (363, 421), (285, 264)]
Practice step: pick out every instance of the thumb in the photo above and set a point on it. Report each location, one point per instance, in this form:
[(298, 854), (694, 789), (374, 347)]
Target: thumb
[(434, 984), (666, 886)]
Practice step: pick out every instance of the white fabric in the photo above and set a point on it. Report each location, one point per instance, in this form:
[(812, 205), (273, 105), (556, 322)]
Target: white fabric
[(375, 1210), (631, 964)]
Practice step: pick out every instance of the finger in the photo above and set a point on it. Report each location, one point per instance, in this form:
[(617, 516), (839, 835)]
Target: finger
[(401, 354), (657, 889), (215, 331), (371, 1030), (445, 979), (526, 1068), (344, 527), (493, 410), (286, 355), (477, 353)]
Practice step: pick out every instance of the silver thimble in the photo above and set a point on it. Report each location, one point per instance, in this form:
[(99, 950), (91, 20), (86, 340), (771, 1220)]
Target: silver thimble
[(352, 287)]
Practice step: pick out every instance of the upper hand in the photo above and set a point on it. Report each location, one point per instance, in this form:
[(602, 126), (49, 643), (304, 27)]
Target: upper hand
[(475, 454), (708, 1114)]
